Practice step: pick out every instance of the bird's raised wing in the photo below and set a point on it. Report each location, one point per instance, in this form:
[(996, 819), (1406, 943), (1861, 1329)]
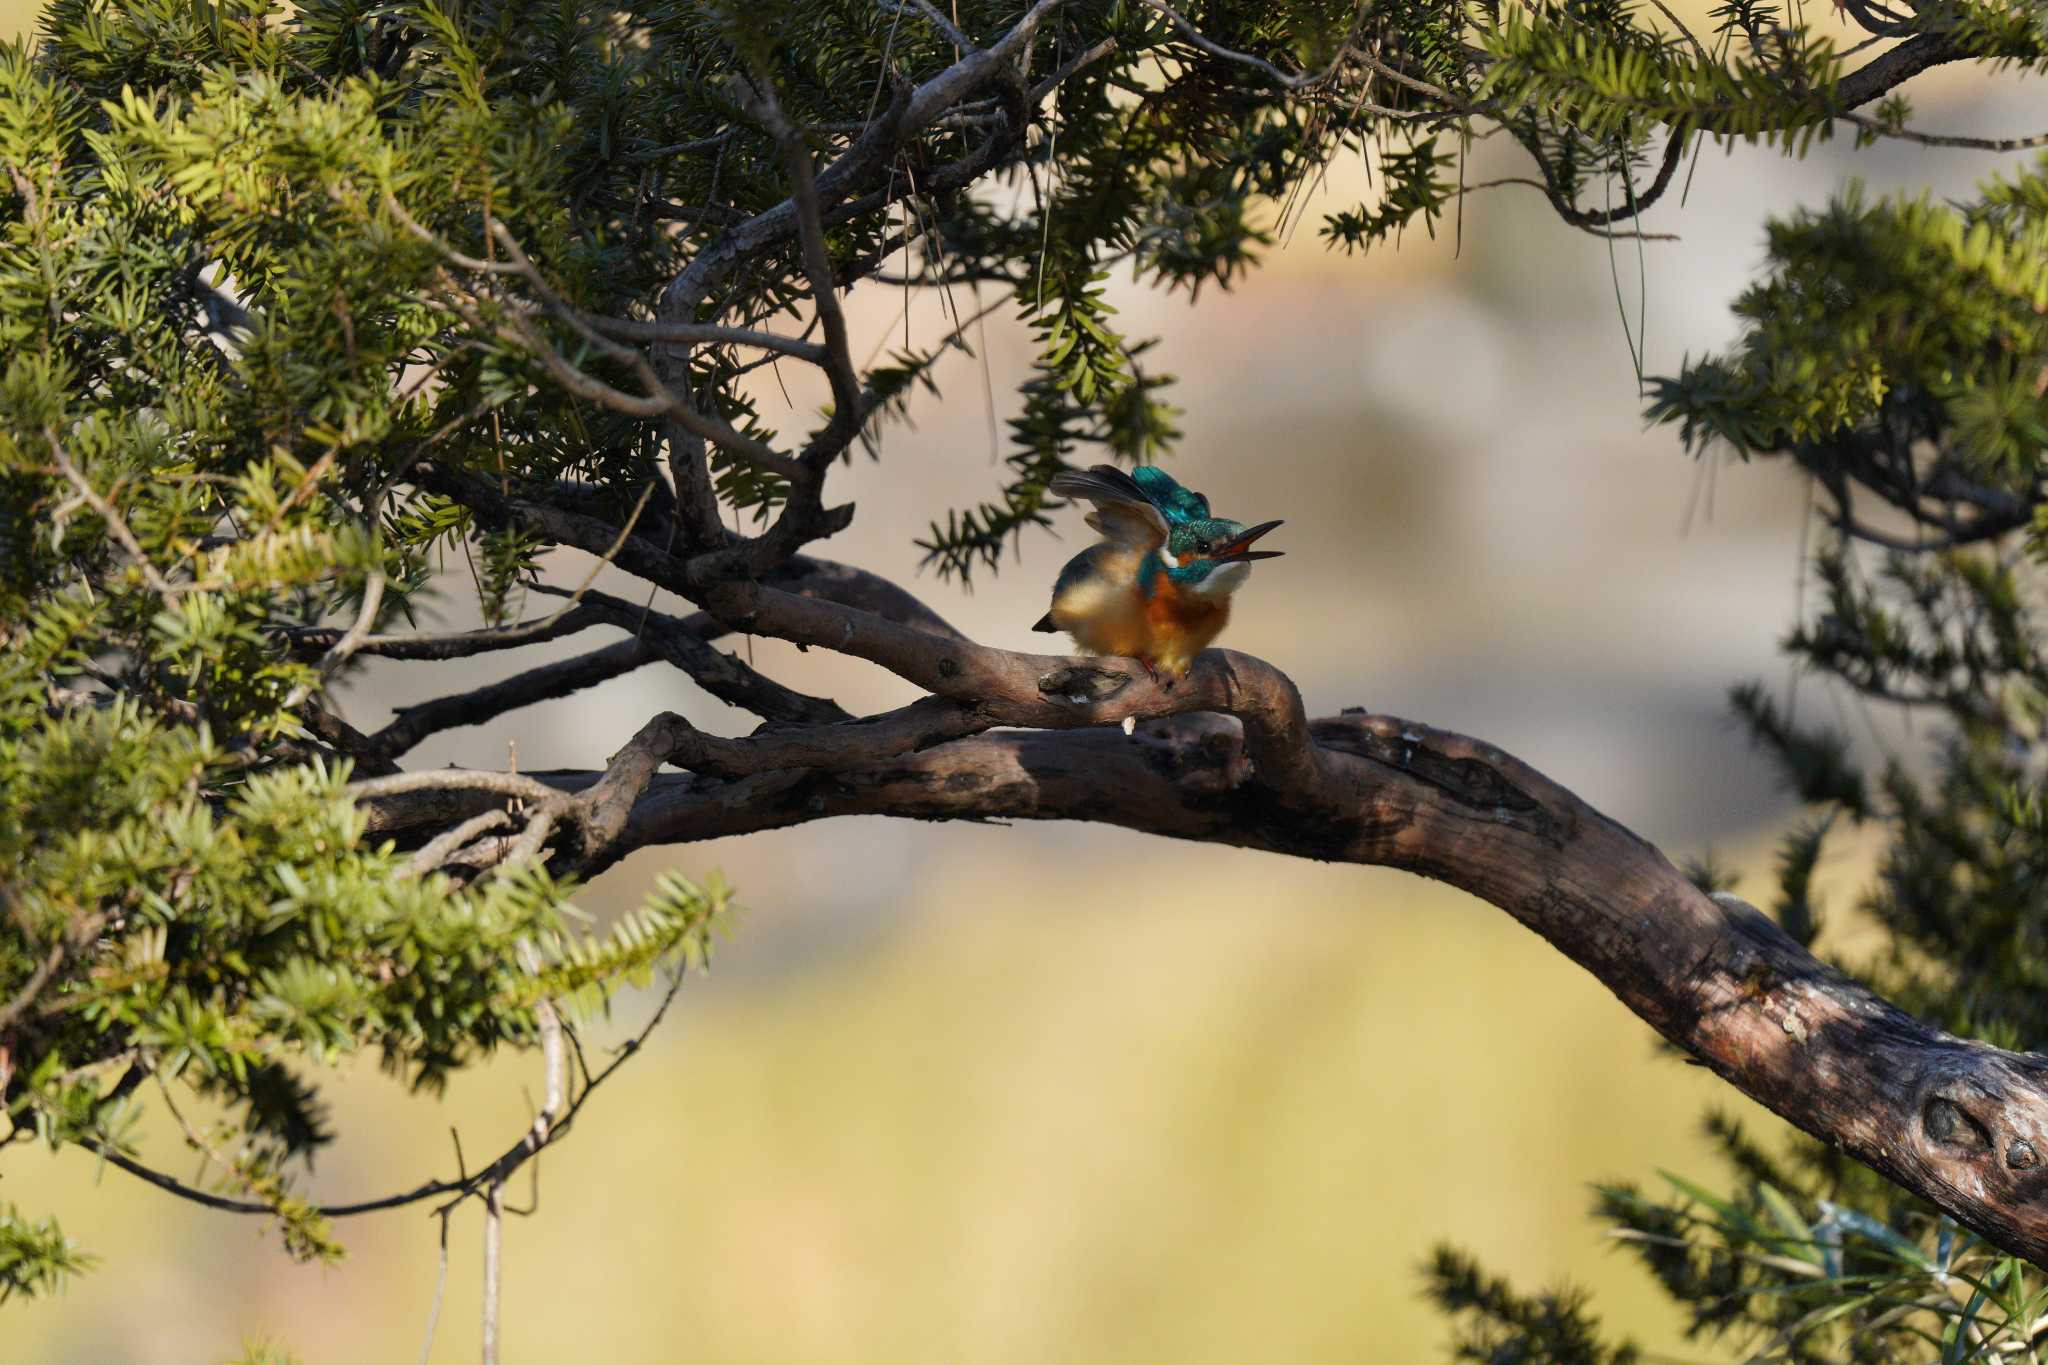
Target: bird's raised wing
[(1164, 492), (1123, 512)]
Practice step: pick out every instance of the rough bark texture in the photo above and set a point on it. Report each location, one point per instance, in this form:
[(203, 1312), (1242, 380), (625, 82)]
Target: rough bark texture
[(1960, 1123)]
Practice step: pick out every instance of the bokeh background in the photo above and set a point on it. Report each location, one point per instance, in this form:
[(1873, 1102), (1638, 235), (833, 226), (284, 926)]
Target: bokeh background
[(1062, 1094)]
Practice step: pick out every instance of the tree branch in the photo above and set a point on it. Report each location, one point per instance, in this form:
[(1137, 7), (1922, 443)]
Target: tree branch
[(682, 642), (483, 704), (1227, 755), (562, 1111), (461, 644), (911, 112), (1895, 66), (668, 738), (1962, 1124)]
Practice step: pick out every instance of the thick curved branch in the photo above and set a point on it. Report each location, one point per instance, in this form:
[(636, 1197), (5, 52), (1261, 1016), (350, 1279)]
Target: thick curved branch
[(1959, 1123), (1044, 691), (1895, 66)]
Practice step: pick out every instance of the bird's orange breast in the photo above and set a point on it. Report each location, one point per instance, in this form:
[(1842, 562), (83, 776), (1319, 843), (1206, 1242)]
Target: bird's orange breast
[(1181, 625), (1167, 629), (1173, 614)]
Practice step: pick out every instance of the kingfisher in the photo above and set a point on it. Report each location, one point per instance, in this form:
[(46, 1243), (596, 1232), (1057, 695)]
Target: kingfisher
[(1157, 586)]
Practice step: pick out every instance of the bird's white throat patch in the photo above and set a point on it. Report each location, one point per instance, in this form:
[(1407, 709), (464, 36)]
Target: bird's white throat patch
[(1225, 579)]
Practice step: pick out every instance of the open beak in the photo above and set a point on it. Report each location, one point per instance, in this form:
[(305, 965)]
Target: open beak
[(1239, 550)]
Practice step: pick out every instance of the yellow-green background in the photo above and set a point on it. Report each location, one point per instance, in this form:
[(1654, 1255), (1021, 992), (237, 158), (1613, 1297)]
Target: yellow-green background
[(1058, 1094)]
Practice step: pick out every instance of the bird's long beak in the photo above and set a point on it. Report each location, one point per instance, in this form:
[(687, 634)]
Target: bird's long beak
[(1240, 549)]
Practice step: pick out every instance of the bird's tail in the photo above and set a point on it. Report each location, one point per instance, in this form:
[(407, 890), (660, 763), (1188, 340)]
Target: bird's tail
[(1045, 624)]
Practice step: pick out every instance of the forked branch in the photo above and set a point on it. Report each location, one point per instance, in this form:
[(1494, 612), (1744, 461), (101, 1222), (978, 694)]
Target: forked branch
[(1228, 756)]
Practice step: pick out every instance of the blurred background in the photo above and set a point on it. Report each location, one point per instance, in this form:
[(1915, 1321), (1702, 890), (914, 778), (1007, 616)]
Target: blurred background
[(1056, 1093)]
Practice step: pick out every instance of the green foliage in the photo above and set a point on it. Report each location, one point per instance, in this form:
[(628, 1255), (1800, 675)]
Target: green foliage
[(262, 1351), (35, 1257), (1880, 324), (1413, 185), (281, 288), (1593, 72), (1497, 1324), (1803, 1278), (1798, 854), (1815, 761)]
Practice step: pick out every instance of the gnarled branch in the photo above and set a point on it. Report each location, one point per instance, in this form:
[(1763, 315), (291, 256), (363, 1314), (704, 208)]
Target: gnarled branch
[(1959, 1123), (1227, 755)]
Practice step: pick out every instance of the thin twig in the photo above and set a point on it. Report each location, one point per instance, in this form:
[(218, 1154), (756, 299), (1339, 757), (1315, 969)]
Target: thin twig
[(440, 1288), (467, 1184), (817, 259), (459, 644), (454, 779), (1065, 70), (960, 41), (445, 846), (366, 618), (1878, 128), (480, 706), (494, 1221), (701, 333), (1286, 80), (116, 527)]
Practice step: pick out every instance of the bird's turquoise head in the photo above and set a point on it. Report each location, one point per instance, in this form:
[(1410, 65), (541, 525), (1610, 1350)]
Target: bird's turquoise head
[(1204, 554), (1212, 555)]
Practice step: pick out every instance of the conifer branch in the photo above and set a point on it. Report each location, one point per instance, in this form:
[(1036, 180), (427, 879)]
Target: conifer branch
[(1879, 128), (117, 525), (466, 1185)]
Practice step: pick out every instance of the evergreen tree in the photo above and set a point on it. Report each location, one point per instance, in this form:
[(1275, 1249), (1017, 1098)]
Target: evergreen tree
[(300, 305)]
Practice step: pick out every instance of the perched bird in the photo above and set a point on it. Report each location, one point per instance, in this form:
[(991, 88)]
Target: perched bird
[(1157, 587)]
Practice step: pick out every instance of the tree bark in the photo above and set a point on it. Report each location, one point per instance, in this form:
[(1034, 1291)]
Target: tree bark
[(1962, 1124)]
